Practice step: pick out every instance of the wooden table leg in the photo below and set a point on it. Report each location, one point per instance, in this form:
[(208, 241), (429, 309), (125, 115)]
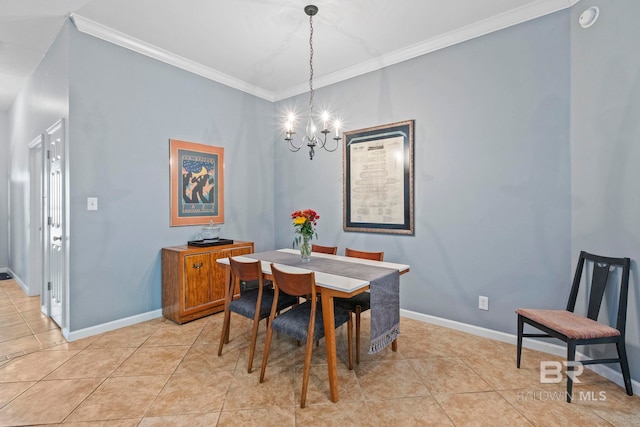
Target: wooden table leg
[(330, 342), (394, 345)]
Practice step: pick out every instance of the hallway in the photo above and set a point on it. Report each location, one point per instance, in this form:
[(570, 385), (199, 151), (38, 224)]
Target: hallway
[(23, 327)]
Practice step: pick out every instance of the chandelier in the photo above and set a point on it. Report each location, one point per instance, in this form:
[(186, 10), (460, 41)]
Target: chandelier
[(311, 139)]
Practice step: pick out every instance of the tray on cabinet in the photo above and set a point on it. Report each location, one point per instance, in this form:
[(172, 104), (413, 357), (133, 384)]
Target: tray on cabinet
[(209, 242)]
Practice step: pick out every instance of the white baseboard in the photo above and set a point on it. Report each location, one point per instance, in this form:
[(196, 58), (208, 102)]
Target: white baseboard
[(555, 349), (110, 326), (15, 277)]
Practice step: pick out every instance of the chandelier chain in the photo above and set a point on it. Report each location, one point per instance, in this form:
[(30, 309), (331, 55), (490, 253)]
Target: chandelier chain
[(311, 62)]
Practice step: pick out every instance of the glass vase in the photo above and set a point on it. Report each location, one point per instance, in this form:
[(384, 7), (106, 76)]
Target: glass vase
[(305, 249)]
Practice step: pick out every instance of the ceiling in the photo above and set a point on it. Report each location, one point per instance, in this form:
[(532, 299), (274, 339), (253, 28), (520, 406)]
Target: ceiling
[(258, 46)]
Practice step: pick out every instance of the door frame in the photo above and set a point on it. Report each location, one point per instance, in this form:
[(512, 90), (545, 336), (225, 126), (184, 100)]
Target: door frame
[(64, 318), (37, 224)]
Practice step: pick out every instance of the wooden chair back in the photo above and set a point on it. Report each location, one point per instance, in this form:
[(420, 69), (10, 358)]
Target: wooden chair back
[(331, 250), (294, 284), (375, 256)]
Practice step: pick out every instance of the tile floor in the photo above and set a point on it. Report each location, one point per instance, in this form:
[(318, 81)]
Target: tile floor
[(158, 373)]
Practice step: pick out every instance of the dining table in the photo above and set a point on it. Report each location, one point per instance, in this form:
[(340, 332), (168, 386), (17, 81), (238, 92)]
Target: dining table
[(334, 282)]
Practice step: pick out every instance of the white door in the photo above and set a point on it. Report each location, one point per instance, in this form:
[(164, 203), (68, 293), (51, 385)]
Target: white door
[(56, 247)]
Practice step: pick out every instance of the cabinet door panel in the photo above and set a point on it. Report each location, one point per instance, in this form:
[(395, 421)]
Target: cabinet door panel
[(197, 270), (218, 274)]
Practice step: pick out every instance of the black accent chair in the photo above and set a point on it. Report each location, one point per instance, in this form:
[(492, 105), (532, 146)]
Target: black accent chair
[(576, 329), (255, 301), (303, 322)]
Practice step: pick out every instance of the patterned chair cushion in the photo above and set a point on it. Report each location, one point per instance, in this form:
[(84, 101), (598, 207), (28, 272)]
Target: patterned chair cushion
[(295, 322), (363, 300), (245, 305), (569, 324)]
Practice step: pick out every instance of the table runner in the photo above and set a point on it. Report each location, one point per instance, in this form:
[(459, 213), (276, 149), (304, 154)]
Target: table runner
[(384, 288)]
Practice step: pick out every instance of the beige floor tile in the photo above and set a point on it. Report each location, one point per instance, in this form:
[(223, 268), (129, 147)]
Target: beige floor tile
[(11, 332), (96, 363), (335, 414), (8, 309), (41, 324), (47, 402), (245, 391), (273, 416), (27, 304), (50, 338), (120, 398), (19, 346), (389, 380), (448, 375), (190, 420), (318, 389), (34, 366), (80, 344), (409, 412), (547, 407), (173, 334), (10, 391), (132, 336), (609, 401), (205, 360), (32, 315), (109, 423), (480, 409), (501, 374), (152, 361), (192, 393), (11, 319)]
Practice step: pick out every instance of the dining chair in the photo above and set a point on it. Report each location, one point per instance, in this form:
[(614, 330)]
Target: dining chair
[(361, 302), (255, 301), (579, 329), (331, 250), (304, 322)]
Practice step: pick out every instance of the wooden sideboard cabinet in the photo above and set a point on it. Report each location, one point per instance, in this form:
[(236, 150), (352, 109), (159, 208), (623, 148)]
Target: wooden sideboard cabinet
[(193, 282)]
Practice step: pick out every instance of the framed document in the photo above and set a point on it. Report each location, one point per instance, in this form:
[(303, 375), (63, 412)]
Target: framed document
[(197, 183), (378, 179)]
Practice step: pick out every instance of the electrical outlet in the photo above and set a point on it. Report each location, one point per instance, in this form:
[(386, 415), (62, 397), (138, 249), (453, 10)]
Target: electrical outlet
[(483, 303)]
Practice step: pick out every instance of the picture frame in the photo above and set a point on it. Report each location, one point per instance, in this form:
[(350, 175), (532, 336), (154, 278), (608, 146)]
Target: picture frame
[(378, 179), (197, 183)]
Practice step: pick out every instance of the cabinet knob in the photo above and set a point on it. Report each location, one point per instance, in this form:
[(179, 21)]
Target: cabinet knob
[(197, 265)]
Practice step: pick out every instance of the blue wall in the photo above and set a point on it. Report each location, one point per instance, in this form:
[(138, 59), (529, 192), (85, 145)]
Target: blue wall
[(605, 146), (492, 172), (124, 108)]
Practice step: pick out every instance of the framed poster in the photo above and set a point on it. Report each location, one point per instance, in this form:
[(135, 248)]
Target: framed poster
[(197, 183), (378, 179)]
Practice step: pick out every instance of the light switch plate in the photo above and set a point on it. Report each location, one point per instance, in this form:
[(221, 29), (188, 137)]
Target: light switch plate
[(92, 203)]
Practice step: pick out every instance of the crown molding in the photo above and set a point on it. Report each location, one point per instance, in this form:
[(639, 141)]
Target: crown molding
[(103, 32), (477, 29), (489, 25)]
